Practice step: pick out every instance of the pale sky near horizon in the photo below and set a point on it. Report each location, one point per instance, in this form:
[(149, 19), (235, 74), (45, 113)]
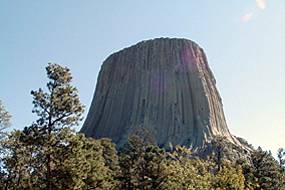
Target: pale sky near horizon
[(244, 42)]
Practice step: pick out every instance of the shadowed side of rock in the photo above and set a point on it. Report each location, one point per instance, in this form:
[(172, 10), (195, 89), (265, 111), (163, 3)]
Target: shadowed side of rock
[(163, 87)]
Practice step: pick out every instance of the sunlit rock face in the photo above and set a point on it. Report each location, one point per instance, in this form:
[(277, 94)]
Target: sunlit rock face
[(163, 87)]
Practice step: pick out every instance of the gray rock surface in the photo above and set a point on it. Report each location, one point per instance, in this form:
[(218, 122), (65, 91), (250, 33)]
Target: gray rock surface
[(163, 87)]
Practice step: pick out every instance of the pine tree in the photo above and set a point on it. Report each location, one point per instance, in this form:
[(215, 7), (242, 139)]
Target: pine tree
[(81, 163), (142, 166), (18, 163), (4, 123), (218, 144), (58, 108), (49, 154), (228, 178), (251, 182), (281, 157), (266, 170), (4, 119), (281, 160), (186, 172)]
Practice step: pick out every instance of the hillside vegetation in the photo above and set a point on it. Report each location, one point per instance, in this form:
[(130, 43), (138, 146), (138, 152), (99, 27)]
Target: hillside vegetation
[(50, 155)]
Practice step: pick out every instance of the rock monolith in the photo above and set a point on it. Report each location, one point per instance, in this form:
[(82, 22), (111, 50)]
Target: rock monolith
[(162, 88)]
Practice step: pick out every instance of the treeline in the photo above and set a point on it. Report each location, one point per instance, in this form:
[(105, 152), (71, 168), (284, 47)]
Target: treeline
[(48, 154)]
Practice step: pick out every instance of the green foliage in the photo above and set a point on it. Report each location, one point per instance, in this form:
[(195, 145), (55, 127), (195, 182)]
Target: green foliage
[(77, 163), (185, 173), (251, 182), (281, 157), (229, 178), (142, 166), (4, 119), (17, 159), (82, 163), (49, 155), (4, 123), (219, 146), (57, 109), (60, 106), (266, 170), (103, 169)]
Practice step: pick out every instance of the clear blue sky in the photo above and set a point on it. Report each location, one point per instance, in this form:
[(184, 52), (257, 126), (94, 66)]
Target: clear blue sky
[(244, 41)]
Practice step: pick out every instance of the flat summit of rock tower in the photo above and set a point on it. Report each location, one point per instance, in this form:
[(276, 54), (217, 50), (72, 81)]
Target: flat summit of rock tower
[(162, 88)]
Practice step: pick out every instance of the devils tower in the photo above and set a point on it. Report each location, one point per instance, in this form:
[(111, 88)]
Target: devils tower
[(162, 86)]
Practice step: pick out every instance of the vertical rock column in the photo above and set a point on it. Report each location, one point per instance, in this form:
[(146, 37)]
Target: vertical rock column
[(163, 87)]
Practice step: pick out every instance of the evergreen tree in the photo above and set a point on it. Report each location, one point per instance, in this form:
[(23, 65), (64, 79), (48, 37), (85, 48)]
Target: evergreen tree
[(48, 154), (142, 166), (85, 164), (4, 119), (228, 178), (18, 163), (281, 157), (102, 171), (4, 123), (218, 144), (78, 163), (266, 170), (251, 182), (58, 108), (186, 172), (281, 160)]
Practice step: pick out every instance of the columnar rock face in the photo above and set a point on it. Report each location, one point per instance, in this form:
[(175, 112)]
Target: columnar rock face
[(163, 87)]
